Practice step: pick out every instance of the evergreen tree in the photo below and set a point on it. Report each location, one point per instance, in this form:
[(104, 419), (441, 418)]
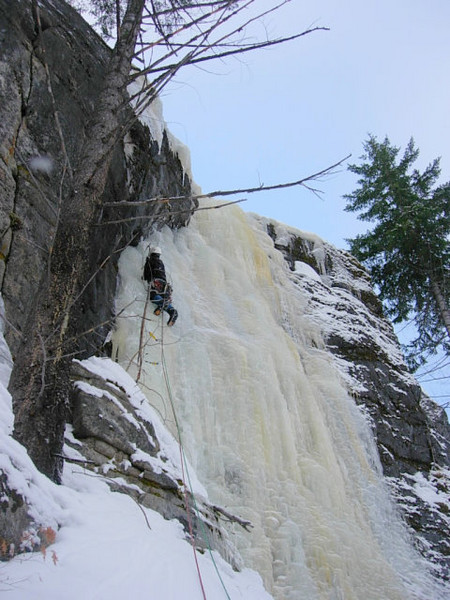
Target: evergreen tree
[(407, 252)]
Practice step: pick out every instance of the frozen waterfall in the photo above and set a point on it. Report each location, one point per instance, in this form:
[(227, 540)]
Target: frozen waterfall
[(265, 419)]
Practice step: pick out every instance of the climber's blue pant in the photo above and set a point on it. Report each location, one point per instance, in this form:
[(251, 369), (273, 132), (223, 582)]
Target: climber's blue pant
[(161, 302)]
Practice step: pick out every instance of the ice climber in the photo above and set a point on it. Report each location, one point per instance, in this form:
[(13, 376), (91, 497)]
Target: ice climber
[(160, 290)]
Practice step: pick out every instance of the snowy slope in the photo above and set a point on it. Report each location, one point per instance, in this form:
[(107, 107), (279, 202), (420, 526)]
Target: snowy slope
[(105, 546)]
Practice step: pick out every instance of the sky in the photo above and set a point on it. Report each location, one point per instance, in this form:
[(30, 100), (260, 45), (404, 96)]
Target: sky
[(287, 112)]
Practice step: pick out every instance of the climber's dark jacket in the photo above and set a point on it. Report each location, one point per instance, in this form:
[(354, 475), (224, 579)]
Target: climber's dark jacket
[(154, 268)]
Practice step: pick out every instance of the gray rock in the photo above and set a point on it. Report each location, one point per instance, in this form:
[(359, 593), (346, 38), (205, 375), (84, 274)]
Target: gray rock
[(14, 520), (76, 59), (119, 444), (102, 411)]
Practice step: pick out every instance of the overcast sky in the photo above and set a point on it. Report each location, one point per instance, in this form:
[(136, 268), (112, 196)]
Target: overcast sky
[(286, 112)]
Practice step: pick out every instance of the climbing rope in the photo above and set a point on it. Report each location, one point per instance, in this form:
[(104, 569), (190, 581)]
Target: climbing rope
[(185, 471), (183, 460), (142, 345), (141, 336), (186, 500)]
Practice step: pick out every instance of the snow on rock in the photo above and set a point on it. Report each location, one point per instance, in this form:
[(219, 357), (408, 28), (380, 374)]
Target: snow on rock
[(117, 433), (424, 499), (29, 501), (153, 118), (136, 409), (302, 268)]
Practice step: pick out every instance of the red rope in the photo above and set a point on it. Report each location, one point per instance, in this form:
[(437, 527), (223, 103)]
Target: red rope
[(191, 529)]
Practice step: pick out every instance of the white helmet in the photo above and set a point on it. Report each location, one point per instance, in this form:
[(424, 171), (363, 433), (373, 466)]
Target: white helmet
[(155, 250)]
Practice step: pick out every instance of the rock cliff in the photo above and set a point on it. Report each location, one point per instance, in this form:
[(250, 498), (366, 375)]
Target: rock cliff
[(48, 86)]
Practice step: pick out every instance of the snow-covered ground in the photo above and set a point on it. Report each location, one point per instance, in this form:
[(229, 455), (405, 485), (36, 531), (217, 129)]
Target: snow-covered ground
[(101, 544)]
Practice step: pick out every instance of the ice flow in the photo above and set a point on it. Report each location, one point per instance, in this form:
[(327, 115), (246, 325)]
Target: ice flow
[(264, 418)]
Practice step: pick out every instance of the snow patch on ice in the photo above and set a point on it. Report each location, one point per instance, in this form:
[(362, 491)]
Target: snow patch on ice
[(302, 268), (153, 118)]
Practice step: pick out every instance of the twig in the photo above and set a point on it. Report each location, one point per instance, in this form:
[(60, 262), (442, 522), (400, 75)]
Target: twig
[(172, 212), (52, 97), (242, 522), (240, 50), (75, 460), (43, 366), (112, 480)]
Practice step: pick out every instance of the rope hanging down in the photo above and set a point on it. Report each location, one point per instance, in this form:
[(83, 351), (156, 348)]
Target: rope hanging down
[(184, 468), (183, 459)]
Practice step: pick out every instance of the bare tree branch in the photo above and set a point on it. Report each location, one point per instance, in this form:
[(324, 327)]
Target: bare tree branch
[(233, 518), (174, 212), (217, 193), (240, 49)]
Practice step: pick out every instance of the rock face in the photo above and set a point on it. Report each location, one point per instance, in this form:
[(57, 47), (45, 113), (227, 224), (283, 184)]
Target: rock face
[(115, 434), (412, 432), (49, 81)]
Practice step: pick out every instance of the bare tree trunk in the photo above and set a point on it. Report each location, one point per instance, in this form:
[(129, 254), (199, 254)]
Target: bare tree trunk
[(40, 381), (440, 300)]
